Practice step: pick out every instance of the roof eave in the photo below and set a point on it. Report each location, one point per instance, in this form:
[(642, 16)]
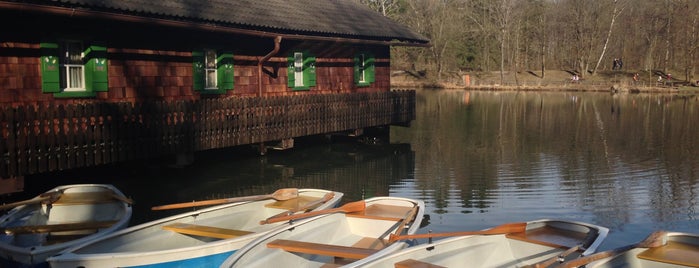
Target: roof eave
[(87, 13)]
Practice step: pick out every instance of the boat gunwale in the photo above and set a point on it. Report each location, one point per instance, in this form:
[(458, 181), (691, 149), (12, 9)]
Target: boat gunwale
[(32, 252)]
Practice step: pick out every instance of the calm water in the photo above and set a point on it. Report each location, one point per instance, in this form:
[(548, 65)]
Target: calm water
[(477, 159)]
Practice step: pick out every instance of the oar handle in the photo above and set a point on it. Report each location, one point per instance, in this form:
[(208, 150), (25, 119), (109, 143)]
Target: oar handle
[(501, 229), (34, 229), (558, 258), (347, 208), (597, 256), (211, 202)]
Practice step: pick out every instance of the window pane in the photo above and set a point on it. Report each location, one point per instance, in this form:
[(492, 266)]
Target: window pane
[(75, 76), (210, 78), (74, 52), (362, 68), (210, 59)]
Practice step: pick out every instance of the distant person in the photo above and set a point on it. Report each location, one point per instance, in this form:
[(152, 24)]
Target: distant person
[(620, 63), (635, 78), (575, 78), (615, 64)]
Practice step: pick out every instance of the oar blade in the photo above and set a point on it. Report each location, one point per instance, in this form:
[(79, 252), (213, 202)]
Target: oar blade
[(285, 194)]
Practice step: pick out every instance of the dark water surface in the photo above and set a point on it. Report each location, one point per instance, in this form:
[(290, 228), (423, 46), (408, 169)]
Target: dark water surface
[(478, 159)]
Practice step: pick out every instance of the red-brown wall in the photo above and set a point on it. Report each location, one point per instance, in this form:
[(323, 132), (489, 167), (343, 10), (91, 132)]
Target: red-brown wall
[(155, 62)]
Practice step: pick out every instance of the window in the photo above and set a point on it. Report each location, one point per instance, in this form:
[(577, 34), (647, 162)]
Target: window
[(301, 71), (70, 69), (364, 69), (212, 71)]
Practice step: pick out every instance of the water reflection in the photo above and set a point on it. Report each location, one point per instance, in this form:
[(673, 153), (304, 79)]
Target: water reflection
[(628, 162), (477, 159)]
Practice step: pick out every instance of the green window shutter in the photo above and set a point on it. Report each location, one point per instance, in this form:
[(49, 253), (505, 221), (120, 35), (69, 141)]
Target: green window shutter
[(96, 78), (370, 69), (50, 68), (290, 72), (198, 73), (226, 77), (309, 71)]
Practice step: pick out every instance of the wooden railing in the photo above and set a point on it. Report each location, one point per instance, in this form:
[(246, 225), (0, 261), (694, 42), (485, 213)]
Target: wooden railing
[(37, 139)]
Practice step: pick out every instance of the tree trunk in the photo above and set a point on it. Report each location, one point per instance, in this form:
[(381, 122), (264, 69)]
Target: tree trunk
[(615, 14)]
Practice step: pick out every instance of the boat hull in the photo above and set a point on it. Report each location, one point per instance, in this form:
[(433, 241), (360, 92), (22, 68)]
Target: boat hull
[(151, 245), (76, 204), (681, 250), (337, 229), (499, 250)]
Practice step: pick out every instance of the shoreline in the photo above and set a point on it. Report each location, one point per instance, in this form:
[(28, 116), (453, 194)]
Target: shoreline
[(611, 88)]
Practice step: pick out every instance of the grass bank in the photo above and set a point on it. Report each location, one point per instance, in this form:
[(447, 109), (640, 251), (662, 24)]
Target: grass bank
[(603, 81)]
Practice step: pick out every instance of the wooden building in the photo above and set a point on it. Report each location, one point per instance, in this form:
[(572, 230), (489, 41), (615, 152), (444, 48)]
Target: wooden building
[(89, 82)]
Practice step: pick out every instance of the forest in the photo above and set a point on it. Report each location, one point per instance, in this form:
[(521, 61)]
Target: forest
[(517, 36)]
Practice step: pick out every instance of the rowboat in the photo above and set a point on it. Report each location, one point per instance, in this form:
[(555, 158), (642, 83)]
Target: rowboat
[(65, 216), (537, 243), (336, 237), (200, 238), (660, 249)]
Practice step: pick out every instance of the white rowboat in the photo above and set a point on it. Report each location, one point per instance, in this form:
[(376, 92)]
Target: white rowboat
[(60, 218), (334, 239), (201, 238), (670, 249), (537, 242)]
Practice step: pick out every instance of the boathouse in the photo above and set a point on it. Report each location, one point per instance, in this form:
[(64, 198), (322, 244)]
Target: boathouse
[(91, 82)]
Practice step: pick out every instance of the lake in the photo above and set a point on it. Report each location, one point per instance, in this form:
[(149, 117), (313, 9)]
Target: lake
[(629, 162)]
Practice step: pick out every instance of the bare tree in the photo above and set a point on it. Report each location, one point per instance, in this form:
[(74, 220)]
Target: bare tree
[(616, 11)]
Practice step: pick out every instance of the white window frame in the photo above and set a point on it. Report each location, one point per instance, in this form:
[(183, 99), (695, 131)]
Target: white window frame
[(79, 85), (362, 68), (210, 83), (298, 69)]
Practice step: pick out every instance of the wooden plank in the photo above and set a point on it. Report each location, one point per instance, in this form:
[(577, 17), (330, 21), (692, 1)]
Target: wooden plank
[(674, 253), (382, 212), (550, 236), (34, 229), (83, 198), (207, 231), (321, 249), (412, 263)]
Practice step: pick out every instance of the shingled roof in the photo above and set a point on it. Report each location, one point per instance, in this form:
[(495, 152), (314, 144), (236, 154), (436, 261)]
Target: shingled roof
[(325, 18)]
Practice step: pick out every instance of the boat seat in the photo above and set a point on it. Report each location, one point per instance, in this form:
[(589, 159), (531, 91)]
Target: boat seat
[(85, 198), (412, 263), (550, 237), (673, 252), (322, 249), (382, 212), (207, 231)]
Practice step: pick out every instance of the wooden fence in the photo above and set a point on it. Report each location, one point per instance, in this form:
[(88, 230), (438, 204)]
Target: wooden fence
[(37, 139)]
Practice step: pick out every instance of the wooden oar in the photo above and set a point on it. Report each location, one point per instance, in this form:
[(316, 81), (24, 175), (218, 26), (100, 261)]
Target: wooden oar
[(49, 197), (409, 218), (57, 227), (279, 195), (501, 229), (656, 239), (346, 208), (308, 206), (558, 258)]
